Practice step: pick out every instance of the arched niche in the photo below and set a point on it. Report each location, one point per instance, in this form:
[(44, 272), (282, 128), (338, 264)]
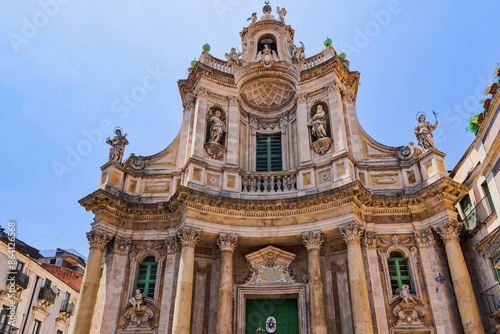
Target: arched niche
[(268, 39), (216, 131), (319, 123)]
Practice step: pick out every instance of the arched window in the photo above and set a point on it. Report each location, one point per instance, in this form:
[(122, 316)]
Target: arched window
[(146, 278), (268, 39), (399, 272)]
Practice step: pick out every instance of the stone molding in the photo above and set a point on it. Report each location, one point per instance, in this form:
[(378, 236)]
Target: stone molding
[(121, 246), (448, 230), (98, 238), (424, 238), (313, 240), (352, 231), (227, 242), (189, 236)]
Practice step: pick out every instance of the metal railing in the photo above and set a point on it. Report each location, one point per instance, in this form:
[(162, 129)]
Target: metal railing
[(47, 294), (491, 298), (67, 307), (479, 214), (269, 182)]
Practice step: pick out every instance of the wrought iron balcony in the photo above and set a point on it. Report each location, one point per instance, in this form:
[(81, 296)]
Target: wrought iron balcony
[(8, 329), (67, 308), (47, 295), (21, 280), (491, 299), (479, 214)]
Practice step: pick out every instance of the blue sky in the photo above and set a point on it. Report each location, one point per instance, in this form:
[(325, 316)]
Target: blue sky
[(67, 67)]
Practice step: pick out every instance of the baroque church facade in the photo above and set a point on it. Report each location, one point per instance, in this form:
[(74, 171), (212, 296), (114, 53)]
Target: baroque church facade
[(273, 211)]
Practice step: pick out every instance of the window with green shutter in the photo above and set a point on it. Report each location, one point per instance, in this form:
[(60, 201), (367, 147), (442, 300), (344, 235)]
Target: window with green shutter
[(399, 272), (146, 278), (269, 157)]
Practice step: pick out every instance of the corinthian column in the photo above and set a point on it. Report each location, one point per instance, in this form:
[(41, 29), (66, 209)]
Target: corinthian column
[(313, 242), (466, 300), (188, 237), (362, 317), (227, 244), (85, 307)]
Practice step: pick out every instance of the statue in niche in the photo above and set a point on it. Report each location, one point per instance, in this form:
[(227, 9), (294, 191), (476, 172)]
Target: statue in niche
[(217, 128), (298, 54), (423, 131), (281, 13), (137, 300), (118, 144), (318, 123), (233, 56), (404, 293), (267, 56)]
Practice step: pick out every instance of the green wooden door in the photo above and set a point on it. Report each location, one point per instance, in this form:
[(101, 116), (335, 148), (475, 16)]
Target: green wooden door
[(285, 311)]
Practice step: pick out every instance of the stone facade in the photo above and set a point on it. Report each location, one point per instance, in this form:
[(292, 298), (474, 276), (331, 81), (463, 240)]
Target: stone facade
[(272, 191)]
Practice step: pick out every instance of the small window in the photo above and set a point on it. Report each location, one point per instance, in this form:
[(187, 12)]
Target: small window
[(19, 266), (47, 283), (469, 213), (4, 319), (52, 261), (399, 272), (36, 327), (59, 332), (269, 157), (146, 278), (488, 195)]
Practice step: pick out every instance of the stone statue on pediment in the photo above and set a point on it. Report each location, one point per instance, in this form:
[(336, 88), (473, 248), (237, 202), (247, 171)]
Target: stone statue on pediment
[(118, 144), (423, 131), (233, 56), (298, 54), (281, 13)]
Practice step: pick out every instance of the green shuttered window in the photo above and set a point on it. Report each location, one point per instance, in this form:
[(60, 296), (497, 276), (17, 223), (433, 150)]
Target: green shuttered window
[(146, 278), (399, 272), (269, 157)]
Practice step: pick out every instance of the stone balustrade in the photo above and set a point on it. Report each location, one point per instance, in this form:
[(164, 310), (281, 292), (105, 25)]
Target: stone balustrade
[(269, 182), (317, 59), (220, 65)]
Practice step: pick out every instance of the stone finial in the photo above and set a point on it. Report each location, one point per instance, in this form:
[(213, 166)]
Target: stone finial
[(121, 246), (424, 238), (313, 240), (227, 242), (352, 231), (98, 238), (189, 236), (448, 230)]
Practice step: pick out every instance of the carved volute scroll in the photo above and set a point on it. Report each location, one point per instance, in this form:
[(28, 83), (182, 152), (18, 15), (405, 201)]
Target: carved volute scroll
[(227, 242), (98, 238), (189, 236), (313, 240), (449, 230), (352, 231)]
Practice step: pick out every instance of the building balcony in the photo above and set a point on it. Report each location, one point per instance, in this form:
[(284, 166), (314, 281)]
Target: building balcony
[(21, 280), (477, 216), (8, 329), (491, 300), (67, 309), (269, 182), (46, 297)]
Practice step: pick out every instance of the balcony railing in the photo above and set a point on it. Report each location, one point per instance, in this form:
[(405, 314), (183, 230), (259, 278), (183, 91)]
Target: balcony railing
[(67, 307), (8, 329), (491, 298), (47, 295), (269, 182), (479, 214), (21, 280)]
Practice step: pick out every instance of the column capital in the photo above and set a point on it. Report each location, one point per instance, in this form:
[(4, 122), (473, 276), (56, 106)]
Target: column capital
[(98, 238), (227, 242), (424, 238), (370, 239), (448, 230), (201, 92), (301, 98), (172, 245), (233, 100), (189, 236), (352, 231), (121, 246), (313, 240)]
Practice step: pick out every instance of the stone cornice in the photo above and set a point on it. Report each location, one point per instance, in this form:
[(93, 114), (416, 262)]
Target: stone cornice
[(444, 191)]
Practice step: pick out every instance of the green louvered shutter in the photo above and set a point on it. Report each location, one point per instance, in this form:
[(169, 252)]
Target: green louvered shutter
[(269, 157)]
